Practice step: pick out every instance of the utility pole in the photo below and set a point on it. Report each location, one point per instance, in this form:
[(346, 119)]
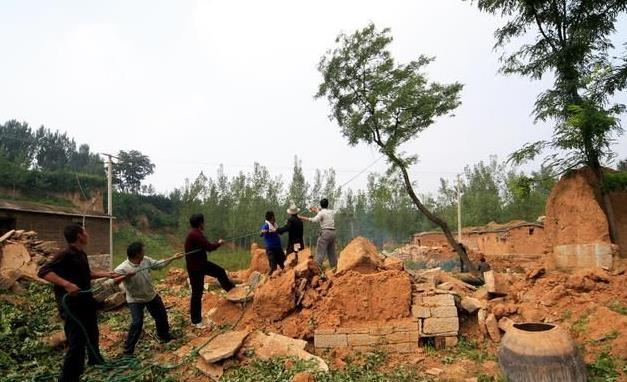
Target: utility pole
[(110, 204), (459, 209)]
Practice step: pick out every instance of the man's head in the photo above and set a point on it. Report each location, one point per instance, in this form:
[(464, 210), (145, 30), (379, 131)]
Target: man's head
[(76, 234), (135, 252), (482, 259), (270, 216), (324, 203), (197, 221)]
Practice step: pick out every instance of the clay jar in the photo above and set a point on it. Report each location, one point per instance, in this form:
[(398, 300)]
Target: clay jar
[(538, 352)]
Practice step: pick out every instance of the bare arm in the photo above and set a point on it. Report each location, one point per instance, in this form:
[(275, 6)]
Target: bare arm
[(99, 274), (71, 288)]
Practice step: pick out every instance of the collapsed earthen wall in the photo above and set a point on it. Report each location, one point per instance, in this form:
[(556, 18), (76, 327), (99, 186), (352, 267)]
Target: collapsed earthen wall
[(524, 240), (574, 213)]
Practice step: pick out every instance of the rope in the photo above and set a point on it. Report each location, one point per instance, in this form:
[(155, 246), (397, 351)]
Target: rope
[(130, 363)]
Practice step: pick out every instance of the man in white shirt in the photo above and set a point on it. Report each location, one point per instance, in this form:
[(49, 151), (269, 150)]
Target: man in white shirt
[(140, 294), (325, 247)]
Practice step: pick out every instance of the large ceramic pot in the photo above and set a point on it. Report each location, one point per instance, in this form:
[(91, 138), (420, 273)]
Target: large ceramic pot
[(538, 352)]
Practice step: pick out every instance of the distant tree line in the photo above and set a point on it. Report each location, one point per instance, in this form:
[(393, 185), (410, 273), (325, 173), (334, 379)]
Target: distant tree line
[(39, 161)]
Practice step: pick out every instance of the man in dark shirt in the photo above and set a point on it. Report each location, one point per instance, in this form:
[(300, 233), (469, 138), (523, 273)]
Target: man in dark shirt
[(69, 271), (198, 266), (294, 229)]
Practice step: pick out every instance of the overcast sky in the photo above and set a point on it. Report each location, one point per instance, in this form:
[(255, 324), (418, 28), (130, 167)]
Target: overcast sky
[(196, 83)]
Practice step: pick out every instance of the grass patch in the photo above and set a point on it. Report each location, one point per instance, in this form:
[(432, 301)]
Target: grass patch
[(603, 369), (231, 259), (581, 325), (618, 307), (362, 367), (472, 350)]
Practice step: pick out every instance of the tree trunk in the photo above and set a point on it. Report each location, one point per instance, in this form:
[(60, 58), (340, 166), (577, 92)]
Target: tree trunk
[(463, 256)]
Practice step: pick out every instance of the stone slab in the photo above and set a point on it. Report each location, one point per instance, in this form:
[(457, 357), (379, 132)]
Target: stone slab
[(420, 311), (330, 340), (362, 340), (444, 312), (438, 300), (440, 325), (223, 346)]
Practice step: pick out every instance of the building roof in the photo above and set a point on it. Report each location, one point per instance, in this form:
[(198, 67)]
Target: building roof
[(23, 206), (490, 228)]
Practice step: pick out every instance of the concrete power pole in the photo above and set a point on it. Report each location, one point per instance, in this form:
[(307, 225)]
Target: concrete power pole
[(110, 205), (459, 209)]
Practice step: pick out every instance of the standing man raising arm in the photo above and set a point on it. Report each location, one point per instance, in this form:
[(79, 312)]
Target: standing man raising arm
[(325, 246)]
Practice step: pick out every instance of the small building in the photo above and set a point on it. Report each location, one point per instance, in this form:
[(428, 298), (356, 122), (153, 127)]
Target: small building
[(49, 222), (513, 238)]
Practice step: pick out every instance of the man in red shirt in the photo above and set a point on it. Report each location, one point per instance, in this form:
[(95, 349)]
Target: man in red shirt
[(198, 266)]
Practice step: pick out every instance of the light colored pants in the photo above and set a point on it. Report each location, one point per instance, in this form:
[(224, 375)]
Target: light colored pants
[(325, 247)]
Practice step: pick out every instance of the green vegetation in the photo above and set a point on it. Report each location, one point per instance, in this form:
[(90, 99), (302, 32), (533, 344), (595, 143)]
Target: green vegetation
[(581, 324), (618, 307), (603, 369), (22, 354), (362, 368), (472, 350)]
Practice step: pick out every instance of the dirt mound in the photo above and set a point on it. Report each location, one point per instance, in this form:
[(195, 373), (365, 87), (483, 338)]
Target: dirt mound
[(276, 298), (258, 260), (360, 255), (573, 213), (356, 297)]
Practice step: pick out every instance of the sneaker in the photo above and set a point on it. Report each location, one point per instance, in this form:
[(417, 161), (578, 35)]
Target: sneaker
[(200, 325)]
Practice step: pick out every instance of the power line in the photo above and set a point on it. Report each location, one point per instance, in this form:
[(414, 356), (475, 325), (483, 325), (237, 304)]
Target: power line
[(362, 171)]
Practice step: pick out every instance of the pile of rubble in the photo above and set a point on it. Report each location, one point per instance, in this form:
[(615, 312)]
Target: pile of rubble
[(21, 255)]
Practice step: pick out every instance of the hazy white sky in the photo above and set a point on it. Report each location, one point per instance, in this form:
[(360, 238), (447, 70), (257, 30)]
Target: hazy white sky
[(196, 83)]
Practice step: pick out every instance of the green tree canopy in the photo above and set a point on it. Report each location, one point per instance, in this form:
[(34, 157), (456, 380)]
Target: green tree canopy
[(571, 41), (377, 101), (131, 169)]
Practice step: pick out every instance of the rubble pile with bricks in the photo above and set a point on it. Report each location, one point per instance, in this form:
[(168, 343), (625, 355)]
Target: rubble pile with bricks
[(435, 311), (396, 337)]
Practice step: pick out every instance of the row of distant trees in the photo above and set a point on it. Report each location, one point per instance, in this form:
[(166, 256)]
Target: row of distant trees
[(44, 150)]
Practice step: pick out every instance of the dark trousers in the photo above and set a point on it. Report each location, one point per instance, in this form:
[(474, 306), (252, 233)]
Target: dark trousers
[(74, 360), (290, 246), (157, 311), (197, 281), (276, 257)]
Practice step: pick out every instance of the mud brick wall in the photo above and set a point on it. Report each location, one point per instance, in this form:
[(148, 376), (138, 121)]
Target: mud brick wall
[(49, 227), (437, 315), (400, 337)]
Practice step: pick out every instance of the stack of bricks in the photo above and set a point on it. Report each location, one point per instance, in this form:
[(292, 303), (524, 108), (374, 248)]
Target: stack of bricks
[(436, 314), (397, 337)]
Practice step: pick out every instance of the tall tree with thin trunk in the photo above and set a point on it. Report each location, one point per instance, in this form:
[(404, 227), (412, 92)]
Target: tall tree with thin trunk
[(378, 102), (570, 39)]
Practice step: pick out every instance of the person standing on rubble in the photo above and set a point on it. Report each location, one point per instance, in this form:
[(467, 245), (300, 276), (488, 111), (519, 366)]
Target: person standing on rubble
[(272, 240), (196, 248), (294, 229), (325, 246), (69, 271)]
